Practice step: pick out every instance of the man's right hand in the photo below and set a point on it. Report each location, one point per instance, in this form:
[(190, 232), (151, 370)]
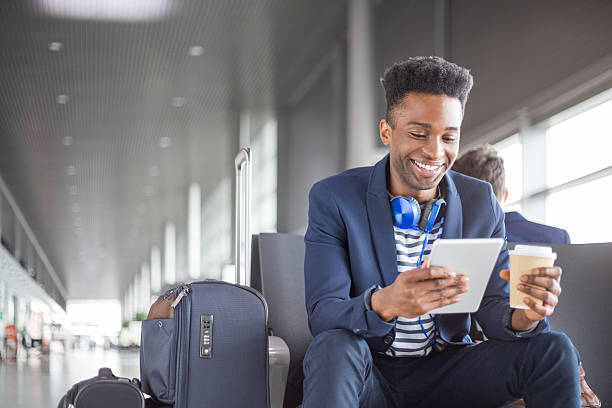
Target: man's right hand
[(418, 291)]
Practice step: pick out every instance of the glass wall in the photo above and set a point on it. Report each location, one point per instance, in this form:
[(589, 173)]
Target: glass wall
[(578, 170)]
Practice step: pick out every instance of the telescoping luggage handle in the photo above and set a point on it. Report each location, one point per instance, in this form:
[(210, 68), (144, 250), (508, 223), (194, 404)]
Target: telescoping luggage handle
[(243, 216)]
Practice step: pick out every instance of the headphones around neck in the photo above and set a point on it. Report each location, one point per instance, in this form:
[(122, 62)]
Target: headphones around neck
[(407, 213)]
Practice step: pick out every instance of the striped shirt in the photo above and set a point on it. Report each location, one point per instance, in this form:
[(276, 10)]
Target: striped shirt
[(410, 341)]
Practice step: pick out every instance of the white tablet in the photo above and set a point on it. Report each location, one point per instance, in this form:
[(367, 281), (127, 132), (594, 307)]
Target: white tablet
[(474, 258)]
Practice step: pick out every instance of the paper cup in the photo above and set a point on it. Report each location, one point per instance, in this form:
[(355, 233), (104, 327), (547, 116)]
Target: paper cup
[(523, 259)]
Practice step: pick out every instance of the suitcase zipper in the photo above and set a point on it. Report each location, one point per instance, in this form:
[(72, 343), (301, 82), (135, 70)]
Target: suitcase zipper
[(184, 291)]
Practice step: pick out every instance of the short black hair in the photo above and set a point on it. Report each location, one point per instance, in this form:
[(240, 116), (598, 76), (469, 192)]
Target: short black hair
[(483, 163), (430, 75)]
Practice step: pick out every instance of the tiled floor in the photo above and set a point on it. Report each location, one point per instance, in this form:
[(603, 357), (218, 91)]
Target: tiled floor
[(41, 382)]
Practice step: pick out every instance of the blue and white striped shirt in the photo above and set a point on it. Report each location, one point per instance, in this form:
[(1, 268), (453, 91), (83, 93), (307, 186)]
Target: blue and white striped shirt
[(410, 341)]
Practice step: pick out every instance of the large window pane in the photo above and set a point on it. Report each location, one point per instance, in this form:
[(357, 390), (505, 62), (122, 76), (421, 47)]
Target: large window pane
[(580, 145), (510, 149), (571, 210)]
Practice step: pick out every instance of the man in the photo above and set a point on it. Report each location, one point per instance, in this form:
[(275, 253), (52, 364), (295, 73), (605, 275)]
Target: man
[(483, 163), (376, 345)]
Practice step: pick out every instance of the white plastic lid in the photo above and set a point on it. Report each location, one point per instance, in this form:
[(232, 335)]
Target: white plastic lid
[(530, 250)]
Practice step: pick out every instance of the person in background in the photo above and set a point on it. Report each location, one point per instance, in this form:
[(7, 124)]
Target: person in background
[(483, 163)]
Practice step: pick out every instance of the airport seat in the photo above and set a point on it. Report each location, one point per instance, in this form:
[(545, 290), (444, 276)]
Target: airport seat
[(277, 272)]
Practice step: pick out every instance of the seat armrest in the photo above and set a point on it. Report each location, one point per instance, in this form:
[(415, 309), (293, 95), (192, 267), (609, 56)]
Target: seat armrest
[(279, 358)]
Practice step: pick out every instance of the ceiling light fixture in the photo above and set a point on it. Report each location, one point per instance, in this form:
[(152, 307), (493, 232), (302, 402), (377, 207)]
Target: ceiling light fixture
[(107, 10), (62, 99), (73, 190), (148, 191), (76, 207), (154, 171), (67, 140), (71, 170), (165, 142), (196, 51), (56, 46)]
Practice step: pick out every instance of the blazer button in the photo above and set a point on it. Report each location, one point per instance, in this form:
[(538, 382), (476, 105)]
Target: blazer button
[(388, 340)]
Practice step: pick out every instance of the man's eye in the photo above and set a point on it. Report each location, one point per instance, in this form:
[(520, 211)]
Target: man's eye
[(451, 138), (418, 135)]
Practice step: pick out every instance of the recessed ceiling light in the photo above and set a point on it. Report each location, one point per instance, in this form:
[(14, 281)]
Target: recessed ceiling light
[(196, 51), (141, 210), (108, 10), (165, 142), (62, 99), (76, 207), (71, 170), (73, 190), (178, 101), (148, 191), (154, 171), (56, 46), (67, 140), (78, 222)]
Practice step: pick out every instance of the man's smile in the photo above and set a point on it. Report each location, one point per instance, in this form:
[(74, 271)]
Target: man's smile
[(427, 169)]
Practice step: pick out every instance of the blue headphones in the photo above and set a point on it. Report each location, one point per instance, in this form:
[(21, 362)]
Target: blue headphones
[(407, 215)]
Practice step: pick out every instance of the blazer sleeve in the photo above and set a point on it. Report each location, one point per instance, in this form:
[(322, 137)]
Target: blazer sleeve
[(327, 275), (495, 313)]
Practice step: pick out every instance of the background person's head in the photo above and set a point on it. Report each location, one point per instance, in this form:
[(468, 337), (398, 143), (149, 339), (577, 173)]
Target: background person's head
[(484, 163), (426, 98)]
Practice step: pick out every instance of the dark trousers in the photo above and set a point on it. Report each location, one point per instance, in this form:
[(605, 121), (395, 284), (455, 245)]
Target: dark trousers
[(340, 371)]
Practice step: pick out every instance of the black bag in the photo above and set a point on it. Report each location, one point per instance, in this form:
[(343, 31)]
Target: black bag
[(104, 391)]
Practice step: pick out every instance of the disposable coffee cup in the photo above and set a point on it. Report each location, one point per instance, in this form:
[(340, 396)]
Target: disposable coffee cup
[(523, 259)]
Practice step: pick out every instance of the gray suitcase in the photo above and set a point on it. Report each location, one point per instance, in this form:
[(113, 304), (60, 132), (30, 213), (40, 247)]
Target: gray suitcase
[(214, 351)]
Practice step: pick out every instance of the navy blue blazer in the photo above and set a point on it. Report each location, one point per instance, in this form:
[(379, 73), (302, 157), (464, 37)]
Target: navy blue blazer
[(519, 229), (350, 247)]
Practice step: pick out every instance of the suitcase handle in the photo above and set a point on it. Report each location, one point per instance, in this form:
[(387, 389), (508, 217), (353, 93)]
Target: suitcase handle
[(242, 255)]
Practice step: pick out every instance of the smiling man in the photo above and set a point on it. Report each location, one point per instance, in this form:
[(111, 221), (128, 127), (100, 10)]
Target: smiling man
[(370, 290)]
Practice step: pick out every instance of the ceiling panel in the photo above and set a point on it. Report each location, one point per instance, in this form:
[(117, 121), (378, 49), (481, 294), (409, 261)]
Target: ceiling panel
[(87, 95)]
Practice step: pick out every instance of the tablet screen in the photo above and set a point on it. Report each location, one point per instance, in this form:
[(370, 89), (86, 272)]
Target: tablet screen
[(474, 258)]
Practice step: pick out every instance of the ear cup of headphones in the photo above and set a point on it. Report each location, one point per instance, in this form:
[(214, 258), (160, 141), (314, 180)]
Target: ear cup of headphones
[(406, 212)]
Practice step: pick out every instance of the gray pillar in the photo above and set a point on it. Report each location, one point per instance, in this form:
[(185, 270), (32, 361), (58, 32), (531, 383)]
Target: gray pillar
[(362, 126), (533, 140), (441, 40)]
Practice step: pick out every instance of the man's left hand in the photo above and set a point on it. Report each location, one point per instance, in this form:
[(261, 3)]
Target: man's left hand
[(547, 287)]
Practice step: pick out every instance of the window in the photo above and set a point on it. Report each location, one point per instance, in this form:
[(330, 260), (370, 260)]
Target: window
[(570, 209), (511, 150), (579, 145)]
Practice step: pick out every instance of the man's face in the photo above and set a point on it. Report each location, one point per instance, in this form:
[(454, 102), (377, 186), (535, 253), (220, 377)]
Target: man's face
[(423, 142)]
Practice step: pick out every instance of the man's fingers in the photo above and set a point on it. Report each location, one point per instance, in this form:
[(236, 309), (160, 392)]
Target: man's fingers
[(432, 272), (554, 272), (444, 293), (436, 284), (544, 295), (429, 306), (550, 284), (542, 310), (505, 274)]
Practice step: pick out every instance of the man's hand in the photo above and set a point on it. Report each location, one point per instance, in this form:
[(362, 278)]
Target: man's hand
[(417, 291), (547, 282)]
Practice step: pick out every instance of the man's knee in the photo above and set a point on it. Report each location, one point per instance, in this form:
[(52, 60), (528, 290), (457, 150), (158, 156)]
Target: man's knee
[(555, 346), (333, 345)]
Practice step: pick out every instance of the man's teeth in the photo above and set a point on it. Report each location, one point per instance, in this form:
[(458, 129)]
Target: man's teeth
[(427, 166)]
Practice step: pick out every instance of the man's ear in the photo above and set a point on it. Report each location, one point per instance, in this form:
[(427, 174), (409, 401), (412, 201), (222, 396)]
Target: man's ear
[(385, 131), (505, 194)]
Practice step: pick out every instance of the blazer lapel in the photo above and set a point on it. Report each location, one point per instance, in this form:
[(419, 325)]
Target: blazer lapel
[(381, 222), (453, 218)]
